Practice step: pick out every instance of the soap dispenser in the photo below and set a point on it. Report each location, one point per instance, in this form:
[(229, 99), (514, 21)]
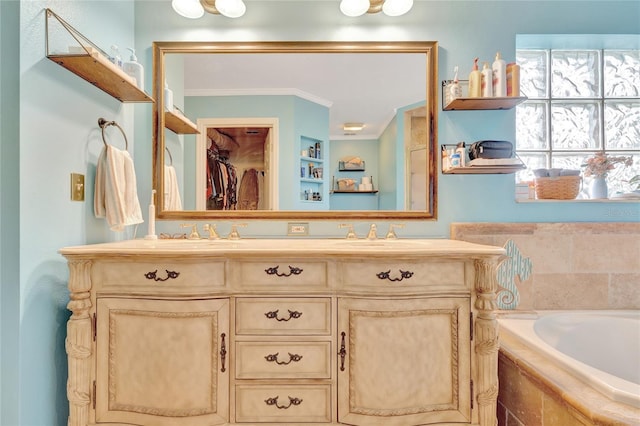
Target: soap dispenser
[(134, 69), (115, 57), (487, 81), (475, 81), (499, 68)]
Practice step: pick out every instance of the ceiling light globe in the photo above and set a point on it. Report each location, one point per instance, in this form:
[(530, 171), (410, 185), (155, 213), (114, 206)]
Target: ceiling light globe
[(396, 7), (354, 8), (231, 8), (191, 9)]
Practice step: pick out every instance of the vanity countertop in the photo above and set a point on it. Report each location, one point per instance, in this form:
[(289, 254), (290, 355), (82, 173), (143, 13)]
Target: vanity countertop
[(320, 246)]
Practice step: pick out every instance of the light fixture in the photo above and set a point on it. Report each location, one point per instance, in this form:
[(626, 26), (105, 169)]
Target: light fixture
[(388, 7), (188, 8), (352, 127), (195, 8)]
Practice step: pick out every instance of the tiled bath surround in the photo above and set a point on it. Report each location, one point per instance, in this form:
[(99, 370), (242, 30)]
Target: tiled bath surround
[(574, 266)]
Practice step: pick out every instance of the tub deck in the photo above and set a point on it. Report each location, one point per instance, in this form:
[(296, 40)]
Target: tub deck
[(537, 391)]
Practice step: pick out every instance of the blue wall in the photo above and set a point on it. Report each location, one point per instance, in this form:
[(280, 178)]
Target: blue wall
[(50, 130)]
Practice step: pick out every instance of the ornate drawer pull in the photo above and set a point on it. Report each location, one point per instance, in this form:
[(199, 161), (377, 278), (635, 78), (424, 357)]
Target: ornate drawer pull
[(386, 275), (170, 275), (274, 358), (274, 401), (274, 314), (223, 352), (292, 271), (343, 350)]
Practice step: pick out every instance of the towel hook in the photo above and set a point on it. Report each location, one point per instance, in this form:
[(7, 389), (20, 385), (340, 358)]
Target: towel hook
[(170, 157), (104, 124)]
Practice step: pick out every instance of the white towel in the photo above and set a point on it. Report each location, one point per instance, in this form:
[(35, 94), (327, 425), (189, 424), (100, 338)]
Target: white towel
[(116, 194), (172, 200)]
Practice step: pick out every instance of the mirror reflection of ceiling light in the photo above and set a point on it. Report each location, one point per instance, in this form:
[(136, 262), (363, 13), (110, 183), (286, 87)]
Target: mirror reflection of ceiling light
[(352, 127), (195, 9), (355, 8)]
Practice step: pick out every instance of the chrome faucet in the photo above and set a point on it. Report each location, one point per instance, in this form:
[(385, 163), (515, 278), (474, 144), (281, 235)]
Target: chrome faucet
[(213, 234), (373, 232), (351, 235), (234, 234), (193, 235), (391, 235)]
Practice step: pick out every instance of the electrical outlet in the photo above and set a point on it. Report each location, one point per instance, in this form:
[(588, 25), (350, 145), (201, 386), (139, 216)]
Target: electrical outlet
[(77, 187), (294, 229)]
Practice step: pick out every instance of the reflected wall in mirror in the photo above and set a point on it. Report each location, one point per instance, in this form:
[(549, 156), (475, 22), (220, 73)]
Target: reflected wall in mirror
[(256, 130)]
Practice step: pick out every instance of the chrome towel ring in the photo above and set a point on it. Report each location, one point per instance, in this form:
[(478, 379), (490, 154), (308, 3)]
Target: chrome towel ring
[(104, 124)]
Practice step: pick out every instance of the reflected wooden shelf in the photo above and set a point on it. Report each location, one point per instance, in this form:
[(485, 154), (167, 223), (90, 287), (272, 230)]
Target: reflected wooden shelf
[(484, 170), (179, 124), (337, 191), (87, 61)]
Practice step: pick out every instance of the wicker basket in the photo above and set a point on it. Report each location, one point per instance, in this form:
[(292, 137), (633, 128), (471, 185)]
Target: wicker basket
[(557, 188)]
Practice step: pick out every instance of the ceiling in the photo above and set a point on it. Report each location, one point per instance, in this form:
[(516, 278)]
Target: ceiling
[(356, 87)]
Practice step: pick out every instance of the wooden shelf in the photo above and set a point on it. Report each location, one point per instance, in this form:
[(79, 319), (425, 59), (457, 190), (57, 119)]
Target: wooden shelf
[(468, 104), (483, 170), (476, 104), (179, 124), (87, 61), (103, 76)]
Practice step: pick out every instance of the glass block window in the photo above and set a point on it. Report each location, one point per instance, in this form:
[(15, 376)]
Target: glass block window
[(579, 102)]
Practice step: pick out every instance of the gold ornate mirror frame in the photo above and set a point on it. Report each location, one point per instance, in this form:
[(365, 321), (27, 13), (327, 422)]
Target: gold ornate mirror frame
[(428, 48)]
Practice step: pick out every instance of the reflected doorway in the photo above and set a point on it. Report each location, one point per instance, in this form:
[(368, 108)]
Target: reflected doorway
[(236, 166)]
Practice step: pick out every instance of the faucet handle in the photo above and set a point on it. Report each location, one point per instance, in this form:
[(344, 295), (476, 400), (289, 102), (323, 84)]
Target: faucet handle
[(373, 232), (213, 234), (351, 234), (193, 235), (234, 234), (391, 235)]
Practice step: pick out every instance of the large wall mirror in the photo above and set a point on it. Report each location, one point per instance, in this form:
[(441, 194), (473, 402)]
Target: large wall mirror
[(295, 130)]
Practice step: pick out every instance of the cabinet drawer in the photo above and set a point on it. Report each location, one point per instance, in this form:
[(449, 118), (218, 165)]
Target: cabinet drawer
[(283, 360), (283, 316), (290, 273), (283, 403), (400, 274), (164, 277)]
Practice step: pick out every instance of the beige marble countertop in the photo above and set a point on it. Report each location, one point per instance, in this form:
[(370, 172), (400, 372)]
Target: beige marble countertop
[(289, 246)]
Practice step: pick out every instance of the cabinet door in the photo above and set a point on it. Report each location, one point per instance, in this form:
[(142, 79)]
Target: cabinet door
[(403, 362), (162, 362)]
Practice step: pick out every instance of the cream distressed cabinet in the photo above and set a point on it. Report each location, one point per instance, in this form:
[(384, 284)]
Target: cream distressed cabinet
[(282, 332)]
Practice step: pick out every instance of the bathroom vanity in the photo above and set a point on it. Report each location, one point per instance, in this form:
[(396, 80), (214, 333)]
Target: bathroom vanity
[(290, 331)]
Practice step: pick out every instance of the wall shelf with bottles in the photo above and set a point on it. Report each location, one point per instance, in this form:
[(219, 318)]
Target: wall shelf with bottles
[(498, 166), (344, 166), (467, 104), (70, 49), (178, 123)]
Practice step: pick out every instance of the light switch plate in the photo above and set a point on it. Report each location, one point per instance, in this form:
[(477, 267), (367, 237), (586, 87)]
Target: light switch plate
[(77, 187), (297, 229)]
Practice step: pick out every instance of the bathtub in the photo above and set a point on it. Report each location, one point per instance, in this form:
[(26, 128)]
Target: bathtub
[(600, 348)]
